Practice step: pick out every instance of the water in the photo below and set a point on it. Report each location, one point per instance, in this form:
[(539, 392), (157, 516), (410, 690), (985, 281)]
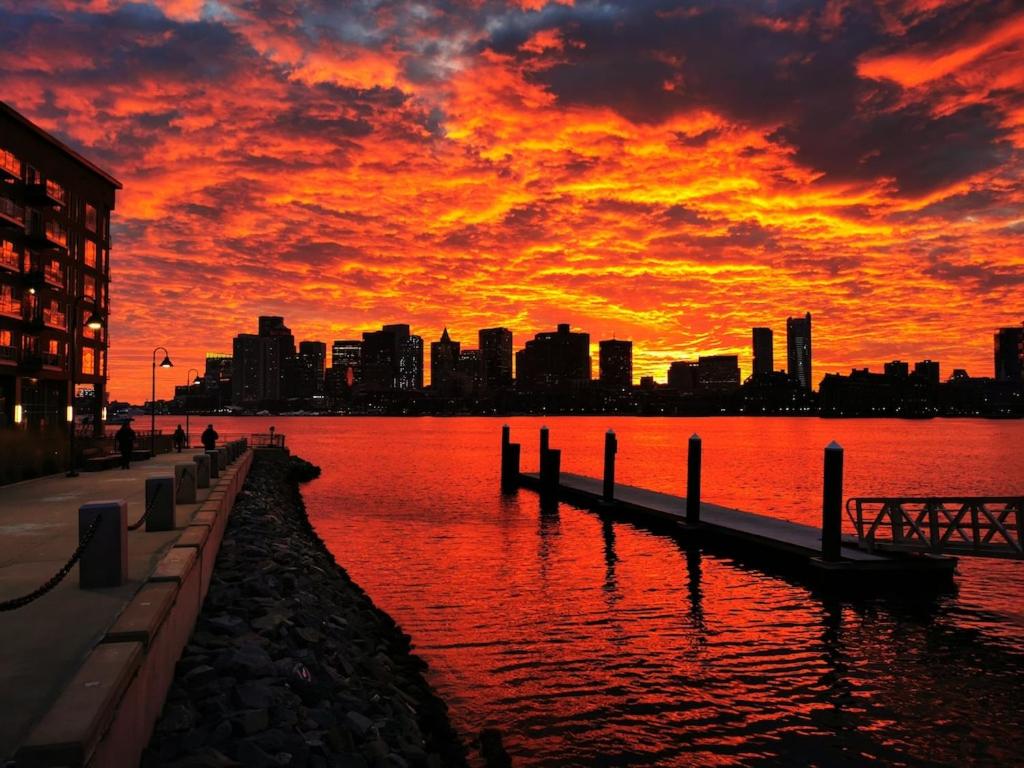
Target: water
[(596, 642)]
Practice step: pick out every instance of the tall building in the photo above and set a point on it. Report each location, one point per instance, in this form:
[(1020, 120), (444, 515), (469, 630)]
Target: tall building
[(279, 356), (764, 352), (347, 361), (249, 353), (798, 350), (897, 369), (469, 372), (615, 363), (718, 373), (392, 358), (555, 359), (682, 376), (444, 362), (309, 368), (54, 275), (495, 346), (927, 370), (217, 379), (1009, 354)]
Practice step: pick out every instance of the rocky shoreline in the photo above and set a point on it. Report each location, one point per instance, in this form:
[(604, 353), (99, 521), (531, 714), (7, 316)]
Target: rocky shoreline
[(290, 663)]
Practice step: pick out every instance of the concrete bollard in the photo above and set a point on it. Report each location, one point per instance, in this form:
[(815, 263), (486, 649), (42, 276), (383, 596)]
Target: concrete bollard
[(104, 562), (160, 503), (544, 438), (202, 462), (611, 447), (214, 464), (550, 471), (693, 458), (185, 483), (832, 504), (222, 458)]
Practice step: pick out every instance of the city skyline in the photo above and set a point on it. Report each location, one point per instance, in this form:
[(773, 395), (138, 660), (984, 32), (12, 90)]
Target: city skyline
[(348, 165)]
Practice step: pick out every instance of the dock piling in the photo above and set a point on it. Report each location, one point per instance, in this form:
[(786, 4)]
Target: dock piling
[(510, 453), (611, 447), (104, 561), (832, 504), (550, 471), (544, 443), (693, 461)]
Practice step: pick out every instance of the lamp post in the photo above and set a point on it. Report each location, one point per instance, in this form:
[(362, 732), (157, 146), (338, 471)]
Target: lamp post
[(94, 322), (189, 383), (165, 363)]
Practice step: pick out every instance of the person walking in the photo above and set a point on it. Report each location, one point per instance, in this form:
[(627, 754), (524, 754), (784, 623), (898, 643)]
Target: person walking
[(124, 439), (179, 438), (209, 438)]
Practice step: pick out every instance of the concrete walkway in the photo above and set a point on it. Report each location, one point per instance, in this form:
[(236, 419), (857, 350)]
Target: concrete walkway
[(44, 643)]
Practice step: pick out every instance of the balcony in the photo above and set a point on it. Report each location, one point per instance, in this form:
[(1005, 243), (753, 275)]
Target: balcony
[(10, 259), (46, 193), (10, 166), (10, 307), (55, 319), (54, 275), (11, 214), (51, 360), (33, 322), (8, 354)]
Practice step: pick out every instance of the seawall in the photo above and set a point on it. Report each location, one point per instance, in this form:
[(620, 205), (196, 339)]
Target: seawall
[(291, 664)]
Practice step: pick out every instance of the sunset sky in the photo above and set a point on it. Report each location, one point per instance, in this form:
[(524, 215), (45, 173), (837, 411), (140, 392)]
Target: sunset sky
[(667, 172)]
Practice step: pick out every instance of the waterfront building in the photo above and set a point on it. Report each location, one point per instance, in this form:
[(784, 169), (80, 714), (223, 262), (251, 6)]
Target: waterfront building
[(927, 371), (555, 359), (469, 372), (248, 352), (615, 363), (392, 358), (1009, 354), (444, 363), (682, 376), (217, 375), (798, 350), (347, 360), (897, 369), (495, 346), (764, 352), (309, 369), (718, 373), (55, 210)]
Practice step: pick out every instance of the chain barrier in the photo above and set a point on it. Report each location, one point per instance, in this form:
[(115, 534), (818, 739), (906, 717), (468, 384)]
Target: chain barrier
[(152, 502), (21, 602)]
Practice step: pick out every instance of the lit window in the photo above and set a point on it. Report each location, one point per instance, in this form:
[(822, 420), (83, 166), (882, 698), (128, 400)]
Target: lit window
[(103, 363), (8, 304), (10, 163), (5, 338), (55, 191), (88, 361), (56, 233), (89, 287), (90, 217), (8, 256), (90, 253), (53, 347)]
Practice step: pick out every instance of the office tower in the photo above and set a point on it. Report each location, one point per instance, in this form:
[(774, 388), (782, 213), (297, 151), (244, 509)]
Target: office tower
[(444, 362), (1009, 354), (897, 369), (615, 363), (347, 360), (718, 373), (392, 358), (278, 357), (764, 352), (495, 346), (798, 350), (469, 372), (682, 376), (54, 271), (555, 359), (249, 353), (217, 379), (310, 369), (927, 370)]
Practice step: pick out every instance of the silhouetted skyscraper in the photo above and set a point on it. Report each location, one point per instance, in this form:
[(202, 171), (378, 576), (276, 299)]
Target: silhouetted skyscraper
[(798, 350), (764, 352), (347, 358), (682, 376), (615, 363), (444, 363), (718, 373), (897, 369), (551, 359), (392, 358), (928, 370), (310, 368), (495, 346), (217, 379), (251, 355), (1009, 354)]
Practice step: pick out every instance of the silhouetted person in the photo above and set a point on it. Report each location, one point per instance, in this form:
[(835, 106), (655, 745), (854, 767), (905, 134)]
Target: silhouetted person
[(124, 439), (179, 438), (210, 438)]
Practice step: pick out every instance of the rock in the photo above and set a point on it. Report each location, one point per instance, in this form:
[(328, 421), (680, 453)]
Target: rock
[(199, 676), (175, 718), (254, 695), (251, 721), (358, 723), (227, 625)]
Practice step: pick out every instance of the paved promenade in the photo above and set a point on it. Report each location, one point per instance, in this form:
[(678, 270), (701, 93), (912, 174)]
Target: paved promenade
[(45, 642)]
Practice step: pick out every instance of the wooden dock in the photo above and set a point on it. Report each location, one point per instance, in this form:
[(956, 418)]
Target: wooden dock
[(767, 540)]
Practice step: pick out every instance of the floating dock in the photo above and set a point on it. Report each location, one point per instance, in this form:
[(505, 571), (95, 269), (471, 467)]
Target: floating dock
[(823, 554)]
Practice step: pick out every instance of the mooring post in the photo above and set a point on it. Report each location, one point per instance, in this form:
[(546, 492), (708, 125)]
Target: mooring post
[(202, 462), (159, 504), (543, 445), (611, 447), (832, 504), (510, 468), (104, 562), (693, 457), (549, 473)]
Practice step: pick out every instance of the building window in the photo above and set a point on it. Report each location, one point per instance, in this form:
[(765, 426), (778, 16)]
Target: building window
[(103, 363), (10, 163), (89, 287), (90, 253), (87, 332), (88, 361), (56, 233), (56, 191), (32, 175), (8, 304), (54, 273), (53, 347), (53, 315), (6, 344), (90, 217), (9, 258)]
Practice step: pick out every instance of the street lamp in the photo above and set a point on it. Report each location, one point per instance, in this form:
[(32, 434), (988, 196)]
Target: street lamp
[(94, 323), (165, 363), (189, 383)]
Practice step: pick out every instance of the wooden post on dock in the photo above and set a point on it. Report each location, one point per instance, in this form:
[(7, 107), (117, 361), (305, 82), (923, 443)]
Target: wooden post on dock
[(550, 470), (543, 446), (693, 457), (611, 447), (509, 461), (832, 504)]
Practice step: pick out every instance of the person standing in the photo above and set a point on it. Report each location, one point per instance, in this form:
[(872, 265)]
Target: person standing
[(124, 439), (179, 438), (209, 438)]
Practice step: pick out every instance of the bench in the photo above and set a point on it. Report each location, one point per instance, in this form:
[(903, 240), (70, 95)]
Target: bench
[(100, 463)]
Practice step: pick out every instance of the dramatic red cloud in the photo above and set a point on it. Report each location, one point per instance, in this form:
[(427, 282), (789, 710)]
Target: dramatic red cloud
[(673, 173)]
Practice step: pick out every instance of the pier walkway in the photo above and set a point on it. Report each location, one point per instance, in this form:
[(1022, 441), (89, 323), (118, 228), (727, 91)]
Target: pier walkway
[(46, 643)]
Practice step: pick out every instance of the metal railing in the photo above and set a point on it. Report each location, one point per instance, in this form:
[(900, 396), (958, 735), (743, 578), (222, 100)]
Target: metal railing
[(983, 526), (266, 440), (12, 210)]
